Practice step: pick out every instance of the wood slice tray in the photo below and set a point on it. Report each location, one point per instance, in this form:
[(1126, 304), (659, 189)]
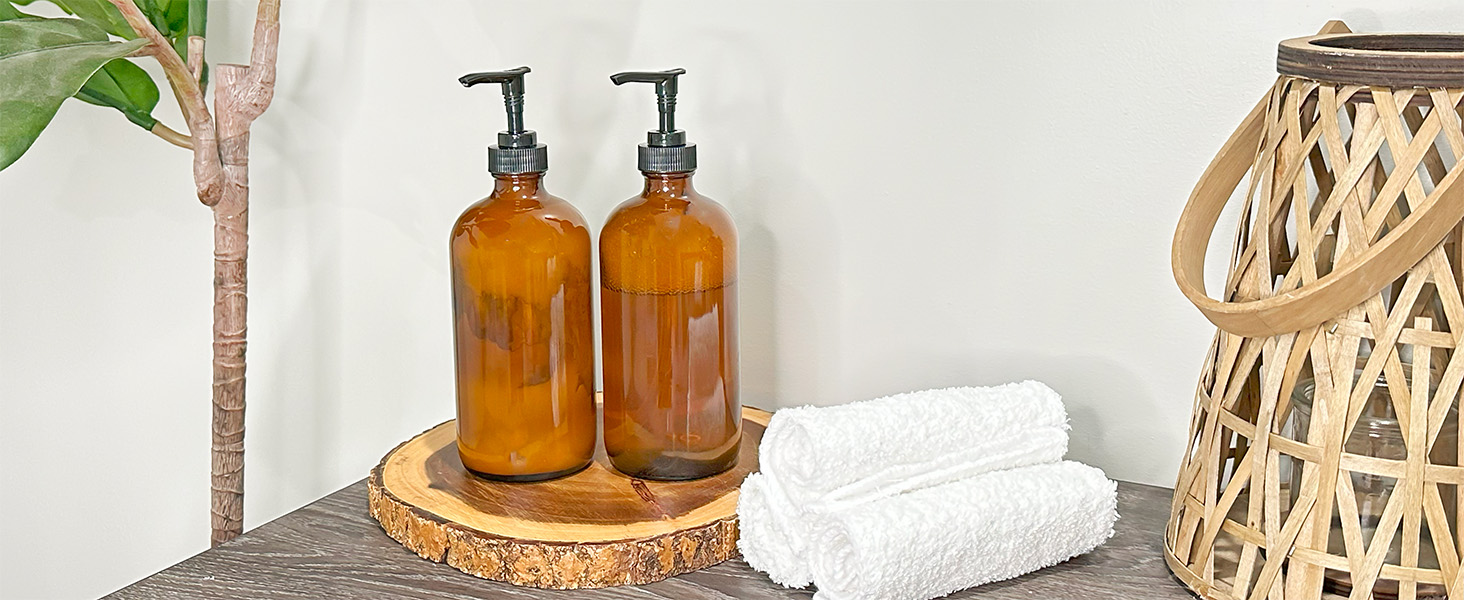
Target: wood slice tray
[(596, 528)]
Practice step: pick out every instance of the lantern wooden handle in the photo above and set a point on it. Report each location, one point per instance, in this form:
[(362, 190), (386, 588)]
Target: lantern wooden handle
[(1349, 283)]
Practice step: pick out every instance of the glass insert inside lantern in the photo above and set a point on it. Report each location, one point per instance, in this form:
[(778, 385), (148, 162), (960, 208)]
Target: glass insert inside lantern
[(1378, 434)]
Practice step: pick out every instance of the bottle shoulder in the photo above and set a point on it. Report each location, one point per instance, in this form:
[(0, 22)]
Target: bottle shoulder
[(668, 245), (692, 214), (538, 211)]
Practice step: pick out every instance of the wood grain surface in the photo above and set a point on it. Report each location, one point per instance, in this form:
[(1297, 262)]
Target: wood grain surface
[(333, 549), (595, 528), (1398, 60)]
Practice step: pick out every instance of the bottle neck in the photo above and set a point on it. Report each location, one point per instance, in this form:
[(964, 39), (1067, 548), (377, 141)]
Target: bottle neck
[(522, 185), (669, 185)]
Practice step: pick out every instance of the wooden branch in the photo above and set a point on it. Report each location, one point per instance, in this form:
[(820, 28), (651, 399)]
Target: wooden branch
[(208, 173), (172, 137), (220, 143), (195, 57), (160, 49), (241, 94), (231, 255), (263, 56)]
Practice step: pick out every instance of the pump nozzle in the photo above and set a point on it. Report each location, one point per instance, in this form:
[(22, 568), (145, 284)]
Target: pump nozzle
[(665, 149), (518, 149), (513, 104), (665, 82)]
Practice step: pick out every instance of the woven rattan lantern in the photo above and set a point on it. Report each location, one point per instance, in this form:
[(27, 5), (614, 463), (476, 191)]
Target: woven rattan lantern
[(1323, 454)]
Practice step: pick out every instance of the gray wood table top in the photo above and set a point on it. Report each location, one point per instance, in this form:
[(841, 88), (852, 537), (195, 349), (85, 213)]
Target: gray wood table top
[(333, 549)]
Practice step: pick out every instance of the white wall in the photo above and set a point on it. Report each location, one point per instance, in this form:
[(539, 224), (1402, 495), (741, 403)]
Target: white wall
[(928, 194)]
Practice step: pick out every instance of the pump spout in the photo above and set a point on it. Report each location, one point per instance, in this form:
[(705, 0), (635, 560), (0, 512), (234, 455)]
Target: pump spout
[(665, 81), (665, 150), (518, 149), (513, 102)]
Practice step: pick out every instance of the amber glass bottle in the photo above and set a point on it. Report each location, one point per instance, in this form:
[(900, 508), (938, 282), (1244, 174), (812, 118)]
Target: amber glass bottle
[(668, 299), (523, 319)]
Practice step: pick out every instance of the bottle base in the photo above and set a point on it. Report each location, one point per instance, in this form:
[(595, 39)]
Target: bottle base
[(670, 468), (528, 478)]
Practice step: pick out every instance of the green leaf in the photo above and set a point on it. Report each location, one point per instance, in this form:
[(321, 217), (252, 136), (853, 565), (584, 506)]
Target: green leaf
[(126, 87), (157, 13), (197, 16), (195, 13), (42, 63), (8, 11), (177, 13), (30, 33), (97, 12), (120, 84), (184, 18)]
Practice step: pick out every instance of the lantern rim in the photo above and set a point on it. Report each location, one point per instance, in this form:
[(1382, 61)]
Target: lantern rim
[(1397, 60)]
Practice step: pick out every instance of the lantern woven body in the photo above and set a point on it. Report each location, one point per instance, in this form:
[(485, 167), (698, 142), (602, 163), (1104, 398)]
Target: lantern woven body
[(1347, 271)]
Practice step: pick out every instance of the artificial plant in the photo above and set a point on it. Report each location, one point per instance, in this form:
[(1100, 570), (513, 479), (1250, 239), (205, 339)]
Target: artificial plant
[(88, 56)]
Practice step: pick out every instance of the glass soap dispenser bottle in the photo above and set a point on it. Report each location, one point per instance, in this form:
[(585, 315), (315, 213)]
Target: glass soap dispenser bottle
[(668, 300), (523, 321)]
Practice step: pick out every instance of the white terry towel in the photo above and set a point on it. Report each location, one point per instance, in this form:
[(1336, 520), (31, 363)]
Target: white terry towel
[(819, 460), (766, 534), (932, 542), (854, 452)]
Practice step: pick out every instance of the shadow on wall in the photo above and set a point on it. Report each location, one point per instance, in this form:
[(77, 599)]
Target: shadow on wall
[(295, 380), (584, 125), (1115, 440), (788, 308)]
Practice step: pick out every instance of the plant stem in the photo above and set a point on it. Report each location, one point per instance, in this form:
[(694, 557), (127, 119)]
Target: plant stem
[(207, 168), (262, 57), (241, 95), (195, 57), (221, 174), (231, 305), (172, 137)]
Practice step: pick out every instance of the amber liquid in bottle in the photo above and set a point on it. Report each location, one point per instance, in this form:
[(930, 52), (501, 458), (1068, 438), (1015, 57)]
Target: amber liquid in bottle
[(524, 334), (668, 299)]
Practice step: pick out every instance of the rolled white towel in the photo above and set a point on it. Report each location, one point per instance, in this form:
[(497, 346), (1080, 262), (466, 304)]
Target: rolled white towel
[(764, 528), (819, 460), (852, 453), (773, 532), (934, 541)]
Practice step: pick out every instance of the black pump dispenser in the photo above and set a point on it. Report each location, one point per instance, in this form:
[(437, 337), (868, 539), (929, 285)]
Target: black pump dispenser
[(518, 149), (665, 150)]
